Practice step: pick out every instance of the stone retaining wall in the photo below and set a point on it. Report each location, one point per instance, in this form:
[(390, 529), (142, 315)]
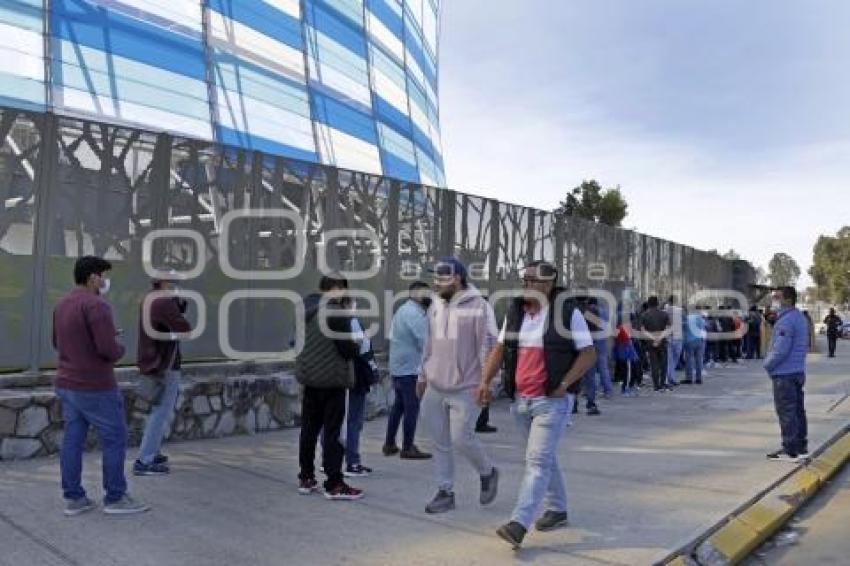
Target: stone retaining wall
[(212, 403)]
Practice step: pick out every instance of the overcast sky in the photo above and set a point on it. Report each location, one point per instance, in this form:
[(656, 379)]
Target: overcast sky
[(726, 122)]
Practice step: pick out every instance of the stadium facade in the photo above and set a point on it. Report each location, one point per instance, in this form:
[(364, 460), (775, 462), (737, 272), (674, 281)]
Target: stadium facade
[(347, 83)]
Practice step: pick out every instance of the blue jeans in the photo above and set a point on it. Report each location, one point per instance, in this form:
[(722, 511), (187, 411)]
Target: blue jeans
[(155, 427), (674, 352), (104, 410), (589, 385), (602, 367), (788, 398), (406, 405), (542, 420), (694, 352), (354, 425)]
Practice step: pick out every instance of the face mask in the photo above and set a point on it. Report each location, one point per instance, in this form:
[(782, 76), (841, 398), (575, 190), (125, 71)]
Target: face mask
[(426, 302), (105, 284), (775, 306)]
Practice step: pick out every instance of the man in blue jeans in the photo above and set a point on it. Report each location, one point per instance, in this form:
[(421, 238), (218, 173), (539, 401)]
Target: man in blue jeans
[(160, 360), (786, 365), (546, 353), (408, 333), (85, 337)]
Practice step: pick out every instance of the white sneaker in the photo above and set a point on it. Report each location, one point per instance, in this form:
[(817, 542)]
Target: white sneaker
[(125, 506)]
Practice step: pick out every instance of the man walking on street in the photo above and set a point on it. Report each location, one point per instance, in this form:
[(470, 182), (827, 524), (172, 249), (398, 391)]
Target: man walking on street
[(159, 361), (85, 337), (408, 332), (461, 332), (786, 365), (547, 354), (833, 328), (675, 342)]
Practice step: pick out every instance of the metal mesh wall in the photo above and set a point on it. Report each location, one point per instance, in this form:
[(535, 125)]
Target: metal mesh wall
[(72, 187)]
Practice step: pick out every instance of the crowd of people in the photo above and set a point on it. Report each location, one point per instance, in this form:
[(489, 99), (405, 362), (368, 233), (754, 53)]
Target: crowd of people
[(446, 350)]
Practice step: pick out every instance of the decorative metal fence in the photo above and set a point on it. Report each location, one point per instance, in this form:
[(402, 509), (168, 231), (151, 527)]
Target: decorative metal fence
[(71, 187)]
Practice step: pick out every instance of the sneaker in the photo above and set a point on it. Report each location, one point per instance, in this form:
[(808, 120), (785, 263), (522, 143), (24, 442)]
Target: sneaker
[(390, 450), (486, 429), (125, 506), (356, 471), (308, 486), (782, 456), (442, 502), (414, 453), (512, 533), (593, 410), (698, 382), (344, 492), (74, 507), (687, 382), (152, 469), (160, 459), (551, 520), (803, 457), (489, 487)]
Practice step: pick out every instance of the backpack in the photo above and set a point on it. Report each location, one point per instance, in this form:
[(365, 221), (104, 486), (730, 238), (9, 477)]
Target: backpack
[(319, 364)]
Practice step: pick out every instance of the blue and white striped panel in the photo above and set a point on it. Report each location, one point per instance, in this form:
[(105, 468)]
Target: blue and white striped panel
[(22, 54), (386, 26), (261, 99), (346, 137), (134, 61), (398, 155), (390, 86)]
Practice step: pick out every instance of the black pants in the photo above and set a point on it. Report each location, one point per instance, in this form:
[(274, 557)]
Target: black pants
[(627, 372), (483, 418), (658, 364), (832, 339), (789, 400), (322, 410)]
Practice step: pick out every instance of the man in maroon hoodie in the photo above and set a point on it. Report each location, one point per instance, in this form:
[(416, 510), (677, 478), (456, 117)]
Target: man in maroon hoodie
[(86, 339), (160, 360)]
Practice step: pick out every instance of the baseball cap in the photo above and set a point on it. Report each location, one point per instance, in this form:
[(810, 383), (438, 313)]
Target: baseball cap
[(448, 266)]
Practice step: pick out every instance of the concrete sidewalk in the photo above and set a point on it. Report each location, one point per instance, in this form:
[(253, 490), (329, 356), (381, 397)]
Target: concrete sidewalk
[(643, 477)]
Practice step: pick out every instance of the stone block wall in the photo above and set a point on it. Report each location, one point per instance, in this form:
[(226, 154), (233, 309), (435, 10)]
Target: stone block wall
[(219, 401)]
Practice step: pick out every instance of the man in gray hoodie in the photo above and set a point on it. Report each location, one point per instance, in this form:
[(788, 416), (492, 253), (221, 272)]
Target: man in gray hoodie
[(462, 331)]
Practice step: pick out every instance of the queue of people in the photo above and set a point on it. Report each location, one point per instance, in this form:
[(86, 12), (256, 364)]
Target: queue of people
[(446, 348)]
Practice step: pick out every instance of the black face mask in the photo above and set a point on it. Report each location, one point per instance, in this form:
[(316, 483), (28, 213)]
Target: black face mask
[(425, 302)]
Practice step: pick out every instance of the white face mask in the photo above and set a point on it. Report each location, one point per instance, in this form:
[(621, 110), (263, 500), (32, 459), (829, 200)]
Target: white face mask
[(776, 306), (105, 284)]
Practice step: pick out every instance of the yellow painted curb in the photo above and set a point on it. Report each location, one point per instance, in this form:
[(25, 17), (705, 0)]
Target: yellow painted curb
[(732, 543), (767, 514), (678, 561)]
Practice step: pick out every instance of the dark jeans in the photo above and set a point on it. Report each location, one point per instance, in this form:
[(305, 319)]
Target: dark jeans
[(790, 408), (322, 410), (753, 345), (483, 418), (354, 425), (658, 364), (104, 410), (832, 339), (406, 405), (628, 373)]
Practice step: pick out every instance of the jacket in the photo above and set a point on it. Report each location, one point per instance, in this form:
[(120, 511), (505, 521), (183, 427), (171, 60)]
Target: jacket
[(788, 345), (156, 356), (461, 332), (624, 349), (408, 332)]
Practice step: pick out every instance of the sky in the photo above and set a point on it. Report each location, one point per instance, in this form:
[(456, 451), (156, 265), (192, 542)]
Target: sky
[(725, 122)]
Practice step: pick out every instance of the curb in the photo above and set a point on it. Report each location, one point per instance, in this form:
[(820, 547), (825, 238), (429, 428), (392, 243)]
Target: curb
[(741, 532)]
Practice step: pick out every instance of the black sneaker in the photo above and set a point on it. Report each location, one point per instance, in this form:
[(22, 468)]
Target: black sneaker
[(489, 487), (782, 456), (551, 520), (160, 459), (356, 471), (512, 533), (484, 429), (308, 486), (414, 453), (344, 492), (593, 410), (442, 502), (390, 450), (152, 469), (686, 382)]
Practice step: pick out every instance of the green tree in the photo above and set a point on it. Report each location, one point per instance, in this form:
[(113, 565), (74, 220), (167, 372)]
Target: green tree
[(591, 202), (783, 270), (830, 269)]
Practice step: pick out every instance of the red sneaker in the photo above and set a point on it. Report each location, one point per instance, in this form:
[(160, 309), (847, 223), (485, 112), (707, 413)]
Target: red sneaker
[(306, 487), (344, 492)]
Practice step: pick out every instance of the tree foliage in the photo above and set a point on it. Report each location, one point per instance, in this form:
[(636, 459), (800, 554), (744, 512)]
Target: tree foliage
[(830, 269), (591, 202), (783, 270)]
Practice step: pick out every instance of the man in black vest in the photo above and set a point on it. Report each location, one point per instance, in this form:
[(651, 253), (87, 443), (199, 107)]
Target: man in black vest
[(833, 329), (547, 349)]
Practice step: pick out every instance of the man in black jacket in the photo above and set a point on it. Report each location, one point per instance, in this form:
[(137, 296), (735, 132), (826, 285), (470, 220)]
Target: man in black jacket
[(833, 328), (323, 402), (546, 352)]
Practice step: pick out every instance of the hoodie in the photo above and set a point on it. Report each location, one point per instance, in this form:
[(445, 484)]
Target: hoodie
[(461, 332)]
